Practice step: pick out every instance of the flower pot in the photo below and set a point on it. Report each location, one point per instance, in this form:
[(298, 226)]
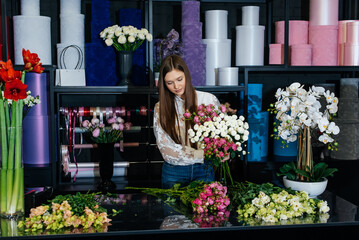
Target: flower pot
[(125, 67), (312, 188), (105, 151)]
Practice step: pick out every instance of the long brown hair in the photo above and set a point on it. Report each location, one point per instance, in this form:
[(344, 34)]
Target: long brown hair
[(167, 110)]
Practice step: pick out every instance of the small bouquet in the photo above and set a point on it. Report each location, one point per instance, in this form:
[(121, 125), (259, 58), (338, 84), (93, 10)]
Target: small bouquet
[(220, 135), (102, 134), (125, 38), (79, 211), (167, 46)]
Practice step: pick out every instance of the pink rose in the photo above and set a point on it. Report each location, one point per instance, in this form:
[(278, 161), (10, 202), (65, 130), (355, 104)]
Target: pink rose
[(96, 132), (209, 108), (196, 119), (187, 115), (111, 120), (86, 123), (223, 108), (201, 113)]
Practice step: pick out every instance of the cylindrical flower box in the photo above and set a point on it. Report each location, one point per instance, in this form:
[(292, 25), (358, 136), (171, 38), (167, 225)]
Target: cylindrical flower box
[(324, 41), (298, 32), (70, 7), (352, 33), (72, 28), (250, 15), (301, 55), (351, 54), (190, 12), (30, 7), (228, 76), (323, 12), (216, 24), (276, 53), (249, 45)]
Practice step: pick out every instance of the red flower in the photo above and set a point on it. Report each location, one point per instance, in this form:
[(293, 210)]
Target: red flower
[(7, 72), (32, 62), (15, 90)]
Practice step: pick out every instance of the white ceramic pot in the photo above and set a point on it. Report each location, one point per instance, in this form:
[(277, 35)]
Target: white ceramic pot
[(312, 188)]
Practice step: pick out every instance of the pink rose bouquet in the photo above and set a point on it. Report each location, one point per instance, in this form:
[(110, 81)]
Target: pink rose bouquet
[(219, 134), (102, 134)]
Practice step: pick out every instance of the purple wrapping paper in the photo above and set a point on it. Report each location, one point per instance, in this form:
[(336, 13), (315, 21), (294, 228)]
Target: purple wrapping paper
[(192, 33), (38, 84), (195, 57), (190, 12), (36, 140)]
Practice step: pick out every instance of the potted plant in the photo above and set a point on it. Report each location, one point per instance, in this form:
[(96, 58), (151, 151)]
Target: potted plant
[(301, 116)]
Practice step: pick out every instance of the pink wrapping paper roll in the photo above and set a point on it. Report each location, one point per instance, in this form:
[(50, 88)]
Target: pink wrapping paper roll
[(351, 54), (298, 32), (324, 40), (323, 12), (301, 55), (276, 53), (352, 33)]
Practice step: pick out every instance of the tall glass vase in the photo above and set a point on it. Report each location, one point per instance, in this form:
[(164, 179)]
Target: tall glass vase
[(304, 152), (106, 160), (125, 67)]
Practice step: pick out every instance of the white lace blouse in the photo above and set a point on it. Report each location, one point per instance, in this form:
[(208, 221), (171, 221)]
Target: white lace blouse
[(172, 152)]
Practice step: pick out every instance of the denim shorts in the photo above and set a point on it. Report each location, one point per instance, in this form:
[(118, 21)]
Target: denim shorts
[(172, 174)]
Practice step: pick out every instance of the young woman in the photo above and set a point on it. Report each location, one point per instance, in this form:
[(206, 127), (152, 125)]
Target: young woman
[(184, 162)]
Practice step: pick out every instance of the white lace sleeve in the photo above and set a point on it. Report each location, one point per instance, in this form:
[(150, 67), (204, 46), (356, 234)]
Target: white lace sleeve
[(172, 152)]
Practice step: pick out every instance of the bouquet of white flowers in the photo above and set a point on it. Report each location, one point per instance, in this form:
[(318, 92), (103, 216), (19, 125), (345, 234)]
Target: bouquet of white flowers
[(297, 108), (125, 38), (300, 112)]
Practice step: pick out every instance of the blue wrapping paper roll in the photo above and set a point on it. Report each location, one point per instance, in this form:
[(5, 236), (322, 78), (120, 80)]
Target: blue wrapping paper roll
[(132, 16), (254, 140), (254, 100), (38, 84), (264, 132), (36, 140), (100, 65)]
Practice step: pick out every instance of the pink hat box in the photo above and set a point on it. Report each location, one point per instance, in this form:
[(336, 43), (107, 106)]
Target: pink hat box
[(352, 32), (301, 55), (298, 32), (324, 40), (323, 12), (351, 54), (276, 53)]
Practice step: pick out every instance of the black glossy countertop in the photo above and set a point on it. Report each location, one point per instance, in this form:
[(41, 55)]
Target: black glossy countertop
[(146, 217)]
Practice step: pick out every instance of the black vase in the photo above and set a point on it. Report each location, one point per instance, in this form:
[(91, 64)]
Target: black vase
[(106, 159), (125, 67)]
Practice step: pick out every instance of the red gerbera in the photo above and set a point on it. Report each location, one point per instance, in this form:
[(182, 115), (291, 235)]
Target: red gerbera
[(15, 90), (31, 61), (7, 72)]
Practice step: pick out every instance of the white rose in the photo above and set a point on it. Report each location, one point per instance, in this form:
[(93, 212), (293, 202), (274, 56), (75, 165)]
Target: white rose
[(109, 41), (122, 39), (149, 37), (131, 39)]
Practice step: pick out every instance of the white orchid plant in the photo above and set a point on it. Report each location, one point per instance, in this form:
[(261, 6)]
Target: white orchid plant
[(300, 112), (125, 38)]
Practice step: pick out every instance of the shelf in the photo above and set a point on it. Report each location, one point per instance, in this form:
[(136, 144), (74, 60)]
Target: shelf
[(216, 1), (282, 68), (135, 89)]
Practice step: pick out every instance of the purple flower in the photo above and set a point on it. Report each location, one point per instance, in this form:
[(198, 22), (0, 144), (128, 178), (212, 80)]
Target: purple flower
[(111, 120), (86, 123)]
